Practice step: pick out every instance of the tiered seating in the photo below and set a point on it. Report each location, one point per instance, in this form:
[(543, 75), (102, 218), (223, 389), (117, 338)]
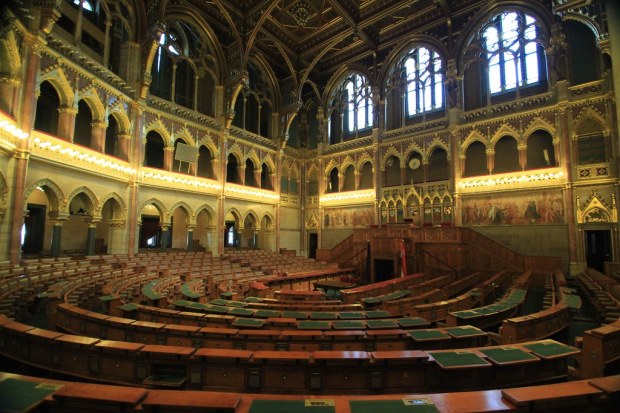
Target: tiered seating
[(603, 292)]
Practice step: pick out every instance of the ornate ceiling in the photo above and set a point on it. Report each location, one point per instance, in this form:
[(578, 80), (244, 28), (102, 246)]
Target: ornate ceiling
[(321, 35)]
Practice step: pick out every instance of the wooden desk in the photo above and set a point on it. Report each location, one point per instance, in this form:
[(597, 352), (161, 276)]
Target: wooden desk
[(610, 384), (75, 396), (167, 401), (553, 396)]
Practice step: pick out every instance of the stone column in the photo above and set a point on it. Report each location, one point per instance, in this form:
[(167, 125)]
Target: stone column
[(117, 243), (66, 122), (97, 136), (56, 236), (190, 237), (134, 186), (165, 233), (522, 147), (124, 146), (241, 173), (490, 160), (107, 43), (257, 178), (168, 154), (90, 238)]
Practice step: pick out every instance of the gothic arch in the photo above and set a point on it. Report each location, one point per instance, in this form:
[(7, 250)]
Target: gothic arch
[(122, 208), (56, 77), (186, 135), (505, 130), (158, 126), (92, 99), (9, 55), (120, 114), (536, 124), (589, 114), (53, 192), (474, 136), (161, 208), (186, 207), (208, 210), (89, 194), (391, 151)]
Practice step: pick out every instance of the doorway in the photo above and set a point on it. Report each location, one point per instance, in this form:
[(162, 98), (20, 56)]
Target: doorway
[(33, 232), (384, 270), (598, 248), (313, 244)]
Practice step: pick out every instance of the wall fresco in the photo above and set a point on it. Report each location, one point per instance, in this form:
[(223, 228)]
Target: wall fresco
[(351, 217)]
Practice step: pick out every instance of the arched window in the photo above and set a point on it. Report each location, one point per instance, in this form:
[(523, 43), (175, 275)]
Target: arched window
[(249, 173), (205, 166), (154, 150), (351, 109), (111, 137), (265, 177), (540, 150), (414, 169), (366, 176), (333, 185), (46, 119), (438, 166), (506, 155), (393, 173), (348, 183), (424, 74), (513, 54), (83, 128), (232, 169), (475, 160)]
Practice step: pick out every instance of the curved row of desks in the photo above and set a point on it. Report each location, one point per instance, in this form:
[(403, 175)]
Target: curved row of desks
[(46, 395), (327, 372)]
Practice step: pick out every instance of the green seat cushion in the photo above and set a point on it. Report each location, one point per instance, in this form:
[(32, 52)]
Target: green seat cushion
[(323, 315), (550, 348), (217, 309), (244, 312), (412, 322), (248, 322), (267, 314), (253, 299), (352, 315), (295, 314), (219, 301), (378, 314), (129, 307)]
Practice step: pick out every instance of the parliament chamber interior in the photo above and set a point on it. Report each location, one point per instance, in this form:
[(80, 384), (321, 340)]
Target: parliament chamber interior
[(309, 206)]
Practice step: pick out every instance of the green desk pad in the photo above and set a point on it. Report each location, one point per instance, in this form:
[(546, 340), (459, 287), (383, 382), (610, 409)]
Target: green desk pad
[(108, 297), (465, 314), (349, 325), (572, 301), (459, 359), (381, 324), (323, 315), (226, 294), (128, 307), (487, 310), (181, 303), (248, 322), (20, 395), (507, 354), (185, 290), (407, 405), (219, 301), (412, 322), (313, 325), (267, 314), (378, 314), (464, 331), (428, 335), (294, 314), (217, 309), (352, 315), (165, 380), (237, 304), (253, 299), (197, 306), (293, 406), (550, 348), (241, 312)]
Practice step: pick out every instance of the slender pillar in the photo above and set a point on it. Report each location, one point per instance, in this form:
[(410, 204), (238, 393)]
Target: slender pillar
[(168, 154), (124, 146), (165, 233), (190, 237), (90, 238), (134, 185), (490, 160), (66, 122), (56, 237), (97, 136)]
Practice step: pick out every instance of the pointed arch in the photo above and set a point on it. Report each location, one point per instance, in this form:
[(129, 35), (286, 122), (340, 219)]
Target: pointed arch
[(89, 194), (161, 208), (474, 136), (122, 207), (158, 126), (184, 205), (92, 99), (186, 135), (505, 130), (207, 209), (53, 192), (56, 77)]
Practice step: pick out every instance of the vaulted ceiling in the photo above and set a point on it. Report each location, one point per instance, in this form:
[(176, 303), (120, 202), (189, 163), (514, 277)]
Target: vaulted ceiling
[(321, 35)]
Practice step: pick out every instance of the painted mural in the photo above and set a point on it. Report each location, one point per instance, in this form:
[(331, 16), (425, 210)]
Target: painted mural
[(352, 217), (544, 207)]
